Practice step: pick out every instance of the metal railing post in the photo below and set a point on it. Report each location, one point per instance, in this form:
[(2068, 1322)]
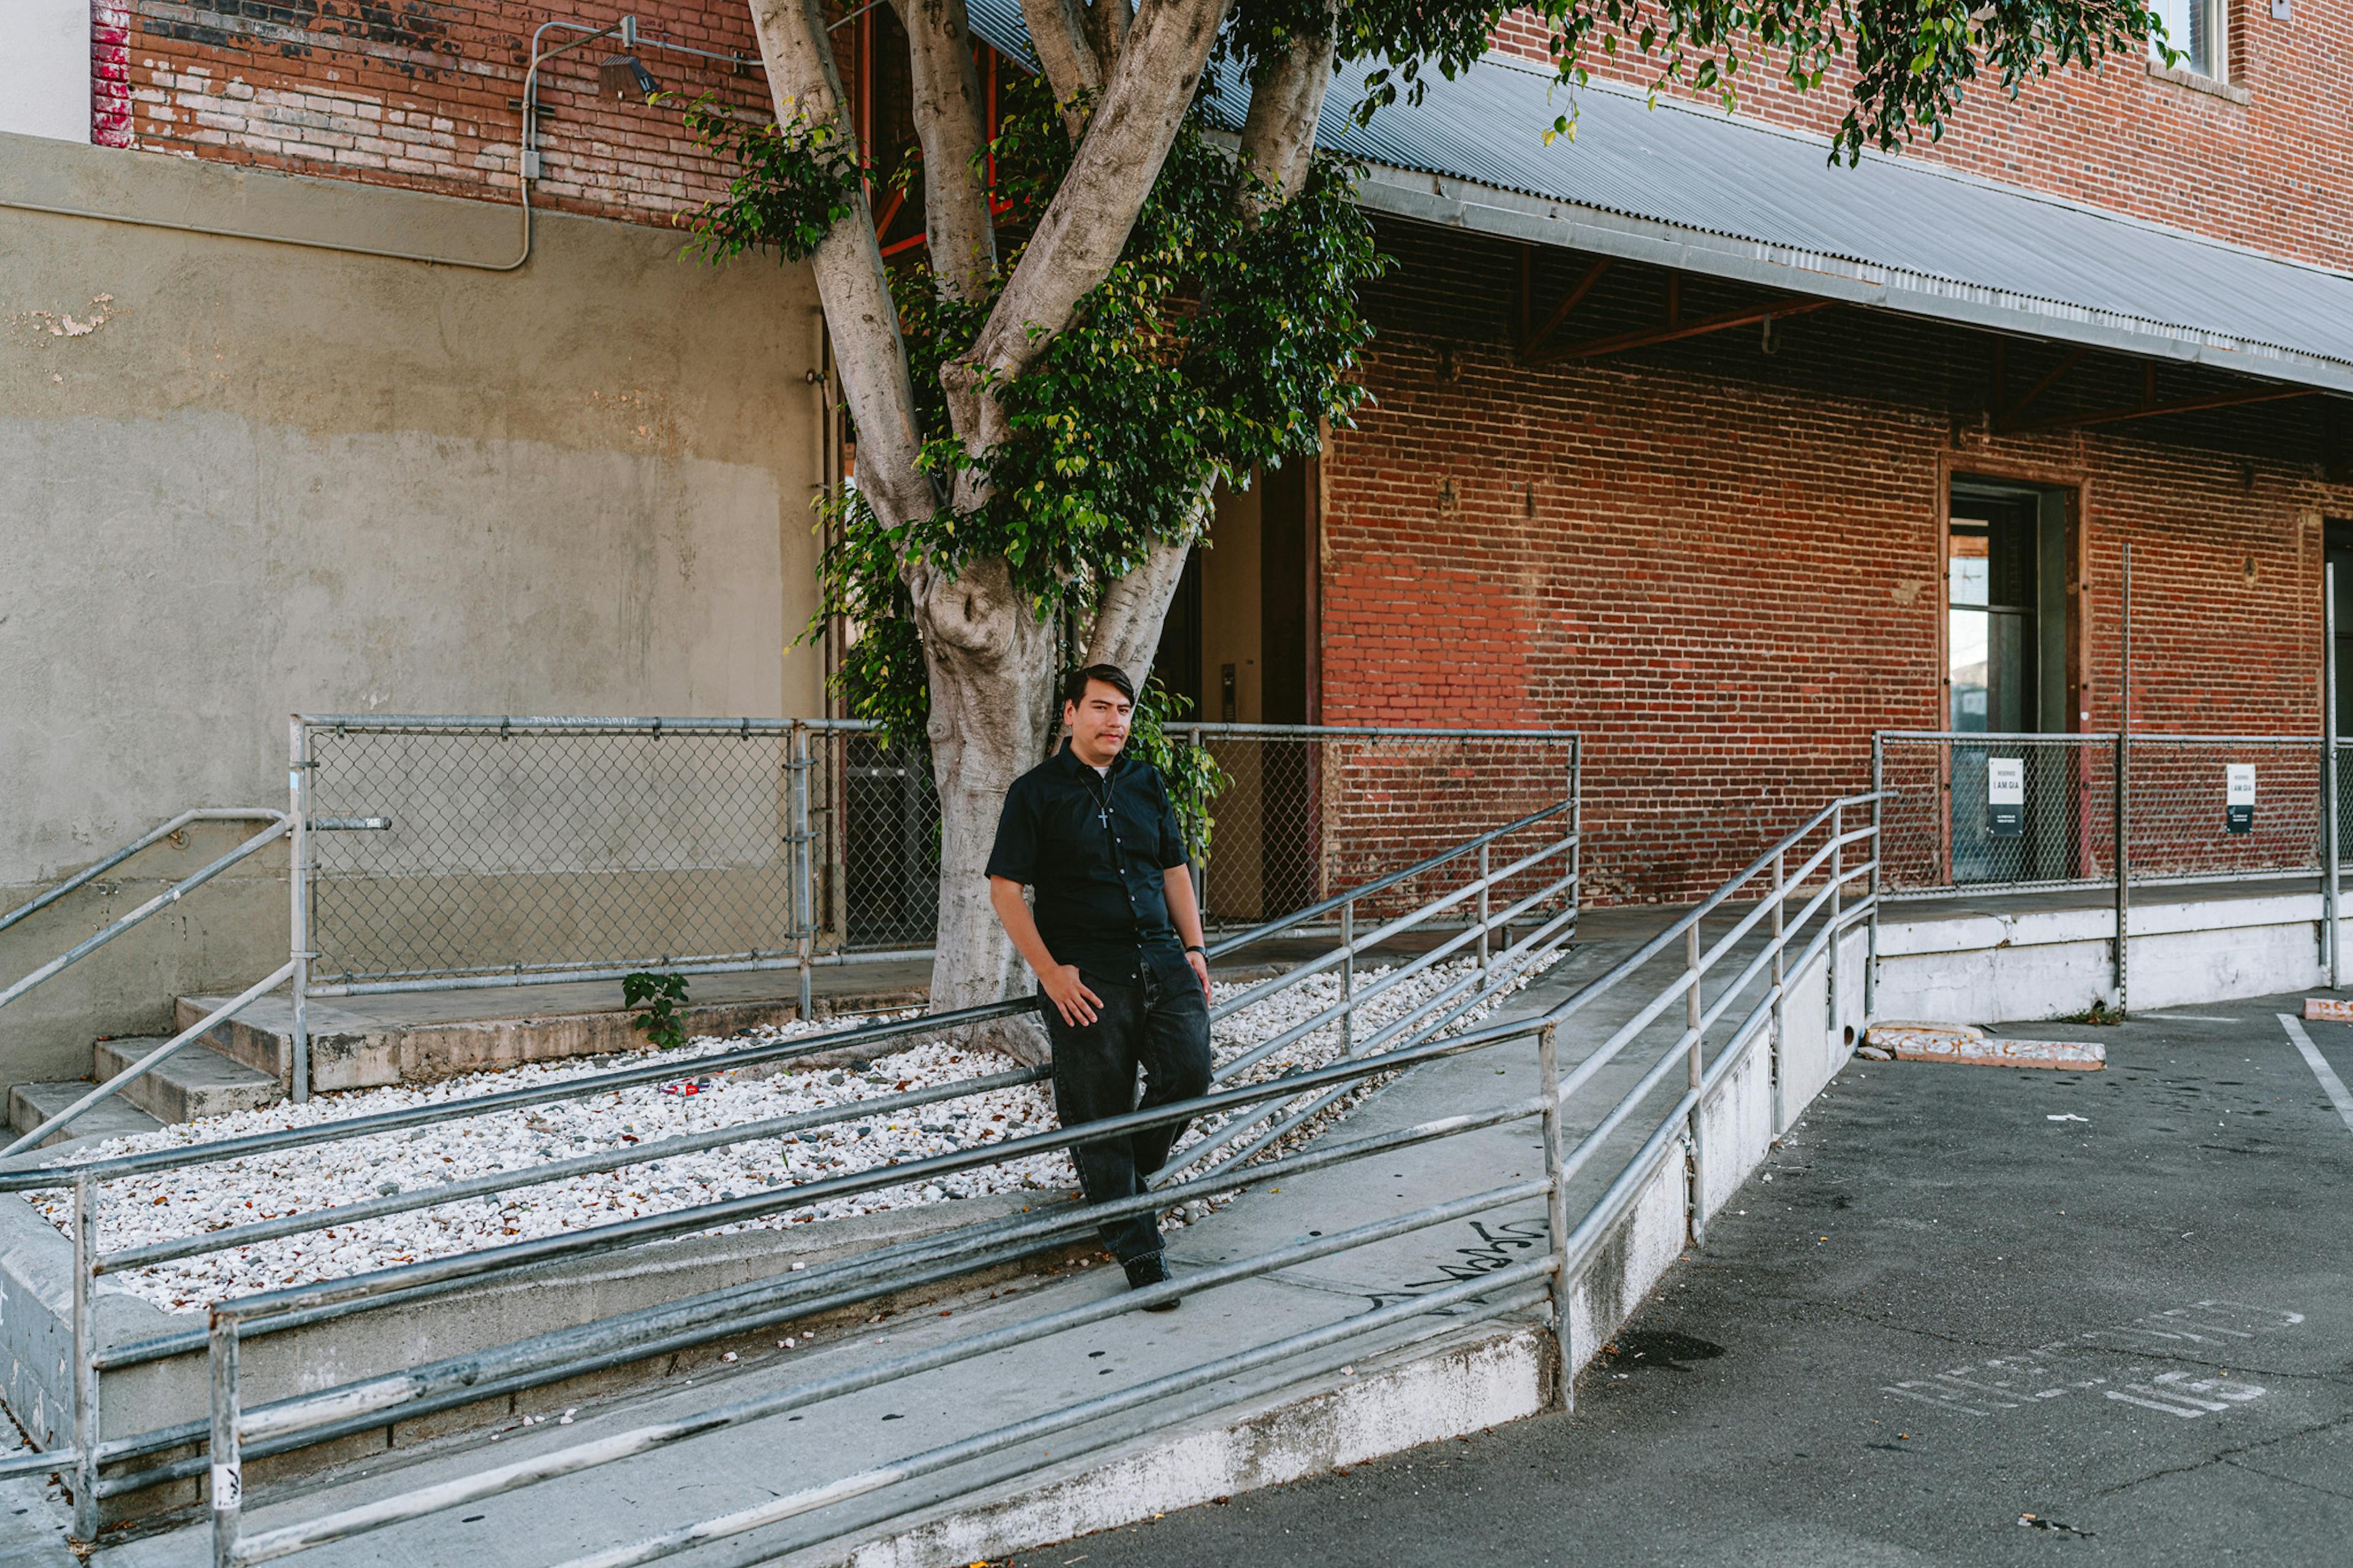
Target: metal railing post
[(298, 879), (1563, 1379), (1692, 1011), (2331, 826), (1780, 955), (227, 1480), (1483, 865), (1838, 898), (804, 906), (1878, 869), (1348, 978), (87, 1196), (2124, 778)]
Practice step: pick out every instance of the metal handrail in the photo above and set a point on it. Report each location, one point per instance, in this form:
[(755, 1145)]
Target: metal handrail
[(98, 869), (279, 825), (151, 1060), (88, 1179), (1569, 1251)]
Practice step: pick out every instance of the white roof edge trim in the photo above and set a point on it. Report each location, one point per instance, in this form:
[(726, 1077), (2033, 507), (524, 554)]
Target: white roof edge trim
[(1453, 202)]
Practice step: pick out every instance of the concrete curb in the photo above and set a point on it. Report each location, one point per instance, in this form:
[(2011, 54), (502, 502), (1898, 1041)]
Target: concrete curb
[(1478, 1379)]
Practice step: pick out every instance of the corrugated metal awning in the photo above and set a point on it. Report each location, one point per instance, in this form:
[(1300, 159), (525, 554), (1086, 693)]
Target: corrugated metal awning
[(1698, 190)]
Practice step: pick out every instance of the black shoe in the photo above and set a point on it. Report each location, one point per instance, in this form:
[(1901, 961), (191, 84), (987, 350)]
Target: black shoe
[(1150, 1270)]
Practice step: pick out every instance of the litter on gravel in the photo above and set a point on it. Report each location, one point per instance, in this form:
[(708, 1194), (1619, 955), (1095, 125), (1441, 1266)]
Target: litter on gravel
[(141, 1210)]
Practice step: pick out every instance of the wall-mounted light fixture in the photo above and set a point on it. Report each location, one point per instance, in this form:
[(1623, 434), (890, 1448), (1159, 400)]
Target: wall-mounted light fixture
[(625, 77)]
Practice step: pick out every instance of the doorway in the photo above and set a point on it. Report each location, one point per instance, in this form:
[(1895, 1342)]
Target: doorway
[(1240, 641), (2009, 671)]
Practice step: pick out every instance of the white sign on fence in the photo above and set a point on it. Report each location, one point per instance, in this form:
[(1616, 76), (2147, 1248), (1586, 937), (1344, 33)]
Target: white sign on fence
[(2005, 796), (2239, 797)]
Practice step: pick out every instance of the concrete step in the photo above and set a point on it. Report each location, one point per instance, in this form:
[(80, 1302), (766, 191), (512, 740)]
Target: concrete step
[(196, 1082), (365, 1042), (30, 1104)]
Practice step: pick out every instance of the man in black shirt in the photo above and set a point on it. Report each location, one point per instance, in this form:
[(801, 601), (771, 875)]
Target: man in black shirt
[(1115, 943)]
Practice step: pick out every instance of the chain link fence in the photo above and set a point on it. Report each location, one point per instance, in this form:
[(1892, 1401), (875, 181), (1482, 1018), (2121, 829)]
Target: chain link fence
[(557, 848), (2029, 812), (1302, 814)]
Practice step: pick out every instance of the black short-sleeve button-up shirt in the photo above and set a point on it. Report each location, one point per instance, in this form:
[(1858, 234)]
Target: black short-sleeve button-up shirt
[(1095, 848)]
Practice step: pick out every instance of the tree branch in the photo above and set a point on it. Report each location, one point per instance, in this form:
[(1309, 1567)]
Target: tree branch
[(1278, 139), (1107, 26), (850, 282), (1279, 132), (952, 122), (1127, 624), (1058, 31), (1087, 224)]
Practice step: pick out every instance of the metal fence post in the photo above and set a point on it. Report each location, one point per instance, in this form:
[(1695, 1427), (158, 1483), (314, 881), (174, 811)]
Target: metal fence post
[(1576, 827), (86, 1195), (1483, 864), (2123, 777), (1348, 978), (1564, 1377), (1781, 954), (804, 907), (1201, 862), (228, 1466), (2331, 828), (1878, 871), (298, 880), (1692, 1010)]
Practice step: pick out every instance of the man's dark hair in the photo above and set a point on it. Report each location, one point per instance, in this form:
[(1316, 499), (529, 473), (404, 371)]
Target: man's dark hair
[(1074, 685)]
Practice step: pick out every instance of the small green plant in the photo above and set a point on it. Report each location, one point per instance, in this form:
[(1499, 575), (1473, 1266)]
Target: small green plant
[(659, 996), (2097, 1013)]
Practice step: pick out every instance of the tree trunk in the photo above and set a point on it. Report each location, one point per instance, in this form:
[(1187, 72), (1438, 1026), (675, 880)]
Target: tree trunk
[(991, 664)]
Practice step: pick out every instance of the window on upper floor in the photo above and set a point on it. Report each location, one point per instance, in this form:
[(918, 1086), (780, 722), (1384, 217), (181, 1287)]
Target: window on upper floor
[(2197, 30)]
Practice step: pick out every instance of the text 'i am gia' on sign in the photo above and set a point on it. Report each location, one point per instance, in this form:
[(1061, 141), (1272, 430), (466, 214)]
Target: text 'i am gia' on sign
[(2238, 797), (2005, 796)]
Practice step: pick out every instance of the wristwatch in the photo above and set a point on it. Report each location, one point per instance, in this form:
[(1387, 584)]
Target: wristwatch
[(1202, 951)]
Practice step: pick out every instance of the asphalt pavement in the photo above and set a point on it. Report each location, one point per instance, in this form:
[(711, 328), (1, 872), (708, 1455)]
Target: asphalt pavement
[(1963, 1315)]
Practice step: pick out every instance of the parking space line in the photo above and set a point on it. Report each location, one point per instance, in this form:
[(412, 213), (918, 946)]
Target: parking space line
[(2329, 1081)]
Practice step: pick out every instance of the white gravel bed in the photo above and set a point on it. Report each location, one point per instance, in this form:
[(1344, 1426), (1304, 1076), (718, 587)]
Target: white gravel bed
[(142, 1210)]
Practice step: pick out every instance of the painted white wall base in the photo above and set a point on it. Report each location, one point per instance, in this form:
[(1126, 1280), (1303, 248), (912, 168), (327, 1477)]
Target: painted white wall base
[(1987, 969)]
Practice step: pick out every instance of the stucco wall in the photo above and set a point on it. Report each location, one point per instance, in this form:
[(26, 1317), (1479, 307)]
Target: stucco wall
[(244, 478)]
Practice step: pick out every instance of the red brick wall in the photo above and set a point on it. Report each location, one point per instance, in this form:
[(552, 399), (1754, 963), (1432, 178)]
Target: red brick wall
[(426, 96), (1727, 583), (2273, 172)]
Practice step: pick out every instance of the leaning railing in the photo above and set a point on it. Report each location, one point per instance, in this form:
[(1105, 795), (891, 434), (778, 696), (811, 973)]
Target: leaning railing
[(1523, 874)]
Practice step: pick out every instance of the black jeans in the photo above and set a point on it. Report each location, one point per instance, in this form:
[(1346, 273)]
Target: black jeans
[(1158, 1022)]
